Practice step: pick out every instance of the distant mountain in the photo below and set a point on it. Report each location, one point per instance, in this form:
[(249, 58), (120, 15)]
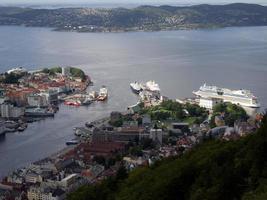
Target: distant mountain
[(143, 18)]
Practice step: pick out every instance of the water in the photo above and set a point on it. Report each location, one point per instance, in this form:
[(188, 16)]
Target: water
[(180, 61)]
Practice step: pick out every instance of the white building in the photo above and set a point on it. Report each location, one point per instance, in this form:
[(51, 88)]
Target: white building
[(50, 96), (156, 135), (40, 193), (10, 111), (33, 178), (37, 100), (69, 180), (209, 103), (65, 71)]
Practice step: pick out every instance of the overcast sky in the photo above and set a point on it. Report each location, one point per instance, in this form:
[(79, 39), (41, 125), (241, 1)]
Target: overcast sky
[(264, 2)]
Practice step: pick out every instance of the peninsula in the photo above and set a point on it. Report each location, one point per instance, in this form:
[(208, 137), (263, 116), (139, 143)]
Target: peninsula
[(142, 18), (28, 96)]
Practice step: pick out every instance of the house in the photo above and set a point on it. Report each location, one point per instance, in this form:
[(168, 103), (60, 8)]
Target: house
[(179, 128), (219, 121), (209, 103), (33, 177), (51, 96), (146, 120), (134, 108), (156, 135), (243, 128), (217, 132), (37, 100)]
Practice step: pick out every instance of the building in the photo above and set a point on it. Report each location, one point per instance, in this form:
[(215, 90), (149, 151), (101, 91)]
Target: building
[(179, 128), (217, 132), (2, 96), (66, 71), (33, 178), (69, 180), (45, 193), (36, 100), (219, 120), (156, 135), (10, 111), (50, 96), (134, 108), (209, 103), (146, 120), (244, 128)]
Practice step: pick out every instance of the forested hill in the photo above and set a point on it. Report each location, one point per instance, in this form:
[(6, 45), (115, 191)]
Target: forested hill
[(143, 18), (215, 170)]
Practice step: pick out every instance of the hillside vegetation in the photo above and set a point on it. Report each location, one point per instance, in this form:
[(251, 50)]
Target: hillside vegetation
[(214, 170), (147, 18), (75, 72)]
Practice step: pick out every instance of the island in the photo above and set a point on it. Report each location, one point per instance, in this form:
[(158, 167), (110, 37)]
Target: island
[(142, 18)]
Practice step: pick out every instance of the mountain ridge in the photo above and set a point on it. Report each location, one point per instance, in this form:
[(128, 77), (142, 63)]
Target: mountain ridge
[(142, 18)]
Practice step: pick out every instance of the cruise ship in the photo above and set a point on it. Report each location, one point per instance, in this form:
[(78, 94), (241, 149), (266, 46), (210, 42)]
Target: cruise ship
[(240, 97)]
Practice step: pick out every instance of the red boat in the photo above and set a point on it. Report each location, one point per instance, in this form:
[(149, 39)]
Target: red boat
[(72, 103)]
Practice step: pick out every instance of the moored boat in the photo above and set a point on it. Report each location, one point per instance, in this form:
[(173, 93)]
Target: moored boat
[(240, 97), (39, 112), (103, 94), (136, 87), (72, 142), (72, 103)]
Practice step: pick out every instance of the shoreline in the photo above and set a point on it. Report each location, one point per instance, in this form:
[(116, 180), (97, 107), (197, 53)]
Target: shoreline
[(57, 29)]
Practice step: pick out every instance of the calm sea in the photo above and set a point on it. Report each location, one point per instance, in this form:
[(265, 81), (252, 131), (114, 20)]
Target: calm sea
[(180, 61)]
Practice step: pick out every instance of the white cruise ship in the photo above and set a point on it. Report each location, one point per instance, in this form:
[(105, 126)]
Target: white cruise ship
[(240, 97)]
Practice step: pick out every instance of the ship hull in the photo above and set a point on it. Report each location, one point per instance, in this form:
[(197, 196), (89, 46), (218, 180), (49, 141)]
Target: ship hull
[(39, 114), (226, 98), (136, 91)]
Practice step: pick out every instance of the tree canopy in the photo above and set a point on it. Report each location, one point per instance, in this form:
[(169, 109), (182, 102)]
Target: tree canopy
[(231, 113)]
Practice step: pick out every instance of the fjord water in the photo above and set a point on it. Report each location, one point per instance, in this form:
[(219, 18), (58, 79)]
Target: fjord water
[(180, 61)]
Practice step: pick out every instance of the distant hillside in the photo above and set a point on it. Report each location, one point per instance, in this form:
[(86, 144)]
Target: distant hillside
[(215, 170), (143, 18)]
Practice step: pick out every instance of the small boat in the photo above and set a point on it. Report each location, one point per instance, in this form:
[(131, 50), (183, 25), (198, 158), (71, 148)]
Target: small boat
[(87, 101), (21, 128), (72, 103), (103, 94), (78, 132), (93, 94), (72, 142), (89, 124)]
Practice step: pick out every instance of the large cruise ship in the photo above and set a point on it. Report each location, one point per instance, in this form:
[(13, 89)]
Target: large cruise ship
[(240, 97)]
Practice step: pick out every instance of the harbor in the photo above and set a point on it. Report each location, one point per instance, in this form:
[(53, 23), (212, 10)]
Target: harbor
[(29, 96), (170, 66), (86, 98), (90, 154)]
